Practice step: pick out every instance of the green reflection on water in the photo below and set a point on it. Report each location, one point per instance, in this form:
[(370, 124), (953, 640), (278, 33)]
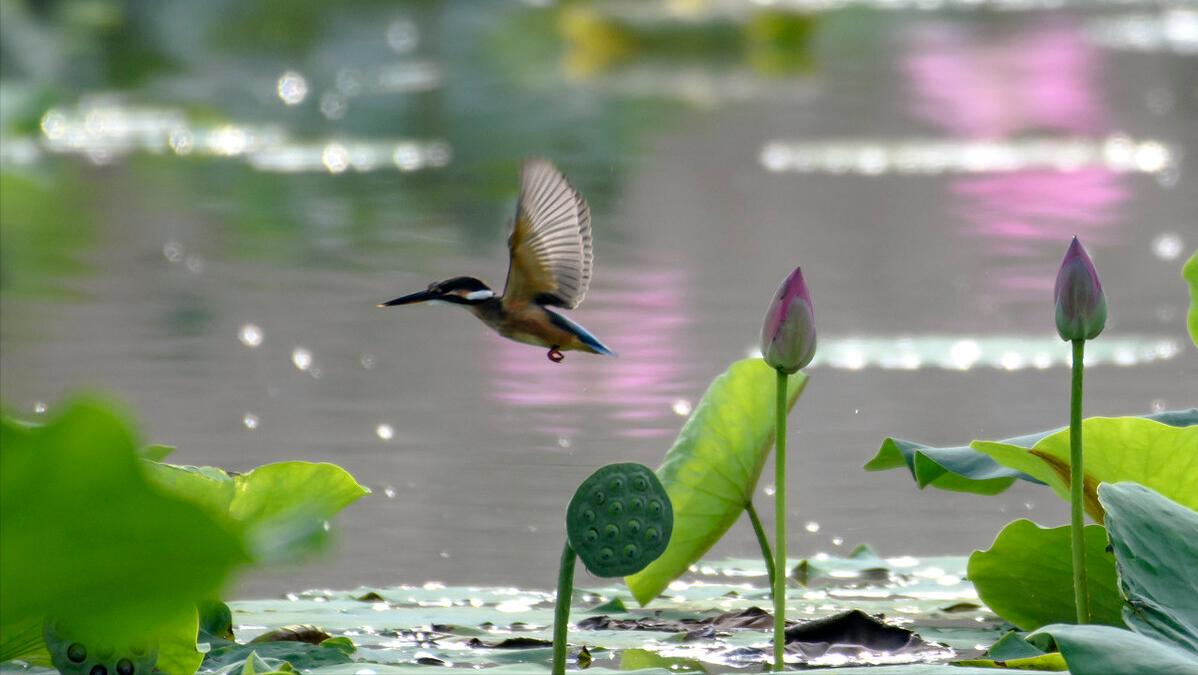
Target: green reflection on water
[(45, 226)]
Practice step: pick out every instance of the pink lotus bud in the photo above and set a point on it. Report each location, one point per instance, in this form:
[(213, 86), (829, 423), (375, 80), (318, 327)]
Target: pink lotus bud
[(1081, 304), (788, 336)]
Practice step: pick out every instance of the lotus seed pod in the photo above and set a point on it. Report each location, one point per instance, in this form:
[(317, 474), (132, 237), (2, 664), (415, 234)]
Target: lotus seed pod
[(73, 653), (619, 520)]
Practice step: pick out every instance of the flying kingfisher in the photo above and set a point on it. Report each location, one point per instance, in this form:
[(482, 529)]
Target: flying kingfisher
[(550, 251)]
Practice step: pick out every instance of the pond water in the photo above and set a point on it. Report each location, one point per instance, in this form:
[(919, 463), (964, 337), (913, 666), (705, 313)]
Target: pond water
[(203, 203)]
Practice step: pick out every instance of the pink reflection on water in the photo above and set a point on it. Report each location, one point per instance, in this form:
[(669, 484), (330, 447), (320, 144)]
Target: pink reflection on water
[(1023, 213), (640, 316), (981, 85), (1039, 80)]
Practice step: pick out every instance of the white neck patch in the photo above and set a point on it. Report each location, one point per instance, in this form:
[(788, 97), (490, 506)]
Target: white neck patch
[(480, 295)]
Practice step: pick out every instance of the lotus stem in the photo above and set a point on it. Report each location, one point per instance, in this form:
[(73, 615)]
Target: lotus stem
[(762, 541), (561, 610), (779, 580), (1077, 479)]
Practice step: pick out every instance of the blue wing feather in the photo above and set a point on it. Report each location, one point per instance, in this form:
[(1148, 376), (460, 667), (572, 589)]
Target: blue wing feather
[(583, 334)]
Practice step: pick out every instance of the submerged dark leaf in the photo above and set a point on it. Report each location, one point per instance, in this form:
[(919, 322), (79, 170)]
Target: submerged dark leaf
[(518, 643), (960, 607), (308, 633), (855, 633), (751, 617)]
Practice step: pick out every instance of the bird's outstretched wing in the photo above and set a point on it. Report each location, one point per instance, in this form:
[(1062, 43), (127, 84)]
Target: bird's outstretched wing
[(550, 242)]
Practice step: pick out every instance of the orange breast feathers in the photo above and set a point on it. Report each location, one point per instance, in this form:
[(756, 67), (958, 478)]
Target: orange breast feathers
[(533, 325)]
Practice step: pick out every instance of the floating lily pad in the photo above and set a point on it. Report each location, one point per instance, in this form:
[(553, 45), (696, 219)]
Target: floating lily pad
[(300, 655), (862, 564), (712, 617)]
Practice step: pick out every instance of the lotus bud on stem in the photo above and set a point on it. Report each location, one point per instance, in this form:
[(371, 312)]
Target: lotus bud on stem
[(1080, 316), (787, 344)]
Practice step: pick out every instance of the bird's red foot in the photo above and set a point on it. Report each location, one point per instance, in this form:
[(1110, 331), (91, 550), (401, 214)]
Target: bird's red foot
[(555, 355)]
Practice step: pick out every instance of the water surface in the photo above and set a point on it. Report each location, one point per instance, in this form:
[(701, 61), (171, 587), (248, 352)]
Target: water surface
[(204, 232)]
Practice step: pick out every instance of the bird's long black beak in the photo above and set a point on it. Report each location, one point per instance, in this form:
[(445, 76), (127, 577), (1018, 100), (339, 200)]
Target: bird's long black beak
[(409, 299)]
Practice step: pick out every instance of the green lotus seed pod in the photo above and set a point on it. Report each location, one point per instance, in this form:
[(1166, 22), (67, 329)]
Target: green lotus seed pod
[(75, 650), (614, 541), (77, 653)]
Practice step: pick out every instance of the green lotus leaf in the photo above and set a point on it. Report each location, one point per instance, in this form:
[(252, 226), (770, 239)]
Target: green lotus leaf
[(1102, 650), (1026, 576), (1190, 274), (23, 640), (1155, 541), (712, 470), (958, 468), (155, 452), (963, 469), (87, 541), (282, 505), (1146, 451)]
